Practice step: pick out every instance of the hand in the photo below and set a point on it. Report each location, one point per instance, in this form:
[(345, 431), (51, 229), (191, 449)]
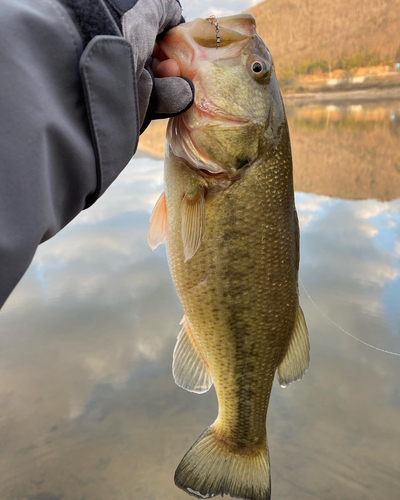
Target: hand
[(162, 91), (162, 66)]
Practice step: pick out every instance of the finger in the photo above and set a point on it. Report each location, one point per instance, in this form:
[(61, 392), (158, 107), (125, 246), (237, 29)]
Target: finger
[(154, 65), (167, 68), (162, 56), (156, 51)]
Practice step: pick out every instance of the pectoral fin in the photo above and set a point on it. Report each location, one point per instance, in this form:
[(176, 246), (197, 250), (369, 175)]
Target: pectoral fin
[(193, 211), (158, 223), (189, 367), (296, 361)]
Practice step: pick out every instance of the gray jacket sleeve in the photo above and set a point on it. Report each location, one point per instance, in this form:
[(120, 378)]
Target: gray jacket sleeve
[(68, 123)]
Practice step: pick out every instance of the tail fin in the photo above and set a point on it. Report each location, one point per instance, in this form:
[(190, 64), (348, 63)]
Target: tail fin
[(212, 467)]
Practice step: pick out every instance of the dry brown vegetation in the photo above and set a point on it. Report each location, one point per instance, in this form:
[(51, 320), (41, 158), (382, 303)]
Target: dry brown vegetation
[(350, 155), (349, 152), (307, 36)]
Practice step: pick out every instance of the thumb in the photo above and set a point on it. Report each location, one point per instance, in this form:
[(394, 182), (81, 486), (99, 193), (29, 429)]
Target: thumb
[(173, 95)]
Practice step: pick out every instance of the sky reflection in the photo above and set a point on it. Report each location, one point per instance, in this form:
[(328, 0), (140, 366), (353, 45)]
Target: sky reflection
[(89, 409)]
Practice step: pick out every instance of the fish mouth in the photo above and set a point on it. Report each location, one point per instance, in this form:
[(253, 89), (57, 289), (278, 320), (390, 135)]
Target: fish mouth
[(207, 40), (190, 45), (213, 32)]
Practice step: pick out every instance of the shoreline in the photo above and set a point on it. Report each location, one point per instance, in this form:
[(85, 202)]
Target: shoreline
[(370, 94)]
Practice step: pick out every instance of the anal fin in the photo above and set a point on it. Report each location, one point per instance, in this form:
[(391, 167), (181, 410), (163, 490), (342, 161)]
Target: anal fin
[(189, 368), (297, 358)]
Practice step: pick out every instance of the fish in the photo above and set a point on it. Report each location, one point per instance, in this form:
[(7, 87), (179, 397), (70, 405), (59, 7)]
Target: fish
[(228, 217)]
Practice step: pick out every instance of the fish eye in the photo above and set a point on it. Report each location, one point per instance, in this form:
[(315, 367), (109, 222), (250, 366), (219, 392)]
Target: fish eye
[(257, 67), (260, 68)]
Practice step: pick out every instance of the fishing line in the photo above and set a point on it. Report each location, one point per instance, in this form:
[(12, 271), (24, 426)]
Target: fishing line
[(345, 331)]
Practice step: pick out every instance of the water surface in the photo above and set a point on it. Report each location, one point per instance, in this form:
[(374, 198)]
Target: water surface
[(89, 409)]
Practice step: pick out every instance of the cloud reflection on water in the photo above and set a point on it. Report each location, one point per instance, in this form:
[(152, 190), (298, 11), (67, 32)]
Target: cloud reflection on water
[(89, 408)]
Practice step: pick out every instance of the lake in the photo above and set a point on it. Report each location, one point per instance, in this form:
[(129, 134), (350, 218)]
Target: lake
[(88, 406)]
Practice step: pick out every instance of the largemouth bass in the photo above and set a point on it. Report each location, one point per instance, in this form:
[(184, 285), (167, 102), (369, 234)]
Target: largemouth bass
[(229, 219)]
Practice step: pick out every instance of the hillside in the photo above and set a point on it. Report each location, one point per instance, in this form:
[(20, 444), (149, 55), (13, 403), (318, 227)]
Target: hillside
[(311, 36)]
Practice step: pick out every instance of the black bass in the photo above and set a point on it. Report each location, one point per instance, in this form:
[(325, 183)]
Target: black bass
[(229, 219)]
